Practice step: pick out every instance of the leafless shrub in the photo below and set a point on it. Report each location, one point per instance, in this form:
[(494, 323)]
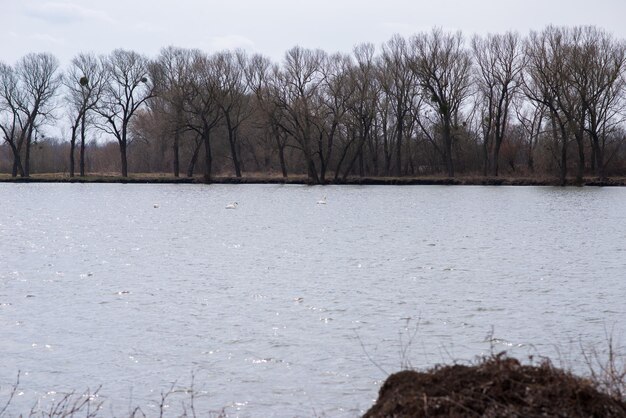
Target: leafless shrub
[(407, 338), (11, 395), (86, 404), (90, 405), (608, 369)]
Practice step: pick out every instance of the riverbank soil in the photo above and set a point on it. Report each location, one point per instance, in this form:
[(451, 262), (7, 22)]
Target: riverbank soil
[(299, 179), (497, 386)]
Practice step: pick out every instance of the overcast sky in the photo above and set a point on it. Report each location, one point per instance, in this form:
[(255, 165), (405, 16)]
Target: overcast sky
[(66, 27)]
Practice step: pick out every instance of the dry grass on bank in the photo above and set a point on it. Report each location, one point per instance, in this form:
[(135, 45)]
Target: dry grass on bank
[(276, 178)]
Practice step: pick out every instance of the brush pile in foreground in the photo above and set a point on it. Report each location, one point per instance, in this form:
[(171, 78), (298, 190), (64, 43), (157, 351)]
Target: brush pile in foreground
[(497, 386)]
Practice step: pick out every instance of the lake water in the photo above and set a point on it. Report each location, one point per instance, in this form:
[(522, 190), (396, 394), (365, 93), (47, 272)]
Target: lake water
[(284, 307)]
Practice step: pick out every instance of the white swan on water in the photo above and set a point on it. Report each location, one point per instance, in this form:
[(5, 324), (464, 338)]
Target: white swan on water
[(232, 205), (322, 202)]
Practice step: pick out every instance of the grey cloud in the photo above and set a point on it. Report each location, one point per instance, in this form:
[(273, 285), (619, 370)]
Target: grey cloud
[(67, 12)]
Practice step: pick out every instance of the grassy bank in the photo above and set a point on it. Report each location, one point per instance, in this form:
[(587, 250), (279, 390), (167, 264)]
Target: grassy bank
[(162, 178)]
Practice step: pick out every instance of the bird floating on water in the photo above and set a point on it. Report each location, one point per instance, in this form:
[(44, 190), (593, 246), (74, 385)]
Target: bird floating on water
[(322, 201), (156, 205), (232, 205)]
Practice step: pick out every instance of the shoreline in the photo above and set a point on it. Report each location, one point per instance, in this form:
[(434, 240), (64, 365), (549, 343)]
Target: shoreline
[(302, 180)]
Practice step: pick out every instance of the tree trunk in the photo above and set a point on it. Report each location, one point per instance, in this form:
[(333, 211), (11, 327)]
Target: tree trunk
[(447, 138), (208, 158), (17, 162), (597, 156), (322, 159), (373, 150), (72, 149), (563, 171), (486, 167), (496, 157), (600, 169), (194, 159), (82, 146), (281, 157), (592, 157), (310, 164), (358, 155), (26, 171), (312, 172), (400, 128), (530, 162), (233, 148), (124, 159), (344, 154), (581, 159), (387, 154), (361, 163), (176, 149)]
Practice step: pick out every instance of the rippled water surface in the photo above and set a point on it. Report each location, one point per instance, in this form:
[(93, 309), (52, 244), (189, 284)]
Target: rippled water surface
[(284, 307)]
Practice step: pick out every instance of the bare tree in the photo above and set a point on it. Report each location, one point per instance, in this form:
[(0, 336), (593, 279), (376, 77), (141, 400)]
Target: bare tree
[(443, 69), (398, 81), (12, 116), (531, 116), (544, 83), (599, 67), (172, 78), (361, 108), (336, 93), (202, 108), (575, 94), (576, 73), (127, 90), (27, 93), (85, 82), (499, 63), (259, 76), (295, 90), (233, 98)]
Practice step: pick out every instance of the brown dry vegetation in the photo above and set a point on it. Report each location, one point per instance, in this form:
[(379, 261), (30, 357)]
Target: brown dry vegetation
[(496, 386), (260, 178)]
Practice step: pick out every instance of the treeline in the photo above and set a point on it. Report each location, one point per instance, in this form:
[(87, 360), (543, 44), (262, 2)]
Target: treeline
[(550, 103)]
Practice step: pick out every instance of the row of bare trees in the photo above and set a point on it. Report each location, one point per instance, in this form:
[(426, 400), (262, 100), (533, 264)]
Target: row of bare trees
[(432, 103), (104, 92)]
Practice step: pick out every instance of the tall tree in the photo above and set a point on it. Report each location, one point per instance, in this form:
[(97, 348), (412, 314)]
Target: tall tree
[(442, 66), (361, 109), (499, 63), (557, 80), (233, 98), (12, 117), (172, 76), (531, 116), (202, 108), (127, 90), (85, 82), (296, 88), (260, 78), (28, 91), (597, 69), (336, 93), (544, 83), (398, 82)]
